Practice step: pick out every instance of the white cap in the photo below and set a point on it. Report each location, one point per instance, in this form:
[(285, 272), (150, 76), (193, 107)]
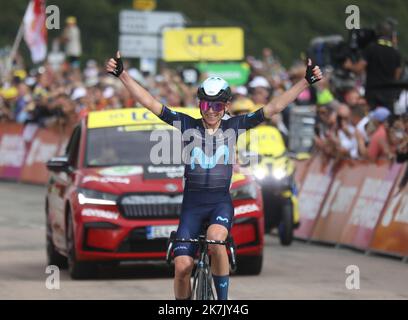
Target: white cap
[(78, 93), (242, 90), (159, 78), (108, 92), (259, 82), (30, 81), (136, 75)]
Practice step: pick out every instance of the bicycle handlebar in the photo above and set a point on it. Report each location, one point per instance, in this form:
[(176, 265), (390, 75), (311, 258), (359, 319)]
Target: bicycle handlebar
[(229, 242), (223, 243)]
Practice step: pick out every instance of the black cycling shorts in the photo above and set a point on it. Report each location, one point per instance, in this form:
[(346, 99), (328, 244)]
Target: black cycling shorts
[(195, 214)]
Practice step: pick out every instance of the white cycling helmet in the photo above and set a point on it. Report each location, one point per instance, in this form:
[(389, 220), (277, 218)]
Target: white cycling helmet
[(214, 89)]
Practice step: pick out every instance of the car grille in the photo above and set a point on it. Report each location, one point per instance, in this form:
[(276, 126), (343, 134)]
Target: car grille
[(148, 206), (136, 241)]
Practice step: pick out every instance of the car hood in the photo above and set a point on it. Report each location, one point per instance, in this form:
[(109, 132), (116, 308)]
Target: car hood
[(125, 179), (148, 178)]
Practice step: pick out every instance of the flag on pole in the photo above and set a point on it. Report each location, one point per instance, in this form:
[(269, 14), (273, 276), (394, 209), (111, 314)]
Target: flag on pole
[(35, 32)]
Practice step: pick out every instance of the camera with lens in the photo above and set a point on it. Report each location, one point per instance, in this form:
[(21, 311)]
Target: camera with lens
[(333, 51)]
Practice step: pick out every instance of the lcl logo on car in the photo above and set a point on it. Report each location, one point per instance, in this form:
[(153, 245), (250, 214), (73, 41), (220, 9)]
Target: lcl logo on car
[(116, 116), (171, 187), (203, 40), (146, 116)]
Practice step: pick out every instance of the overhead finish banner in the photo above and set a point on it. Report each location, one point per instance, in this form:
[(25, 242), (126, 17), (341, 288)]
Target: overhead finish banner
[(203, 44)]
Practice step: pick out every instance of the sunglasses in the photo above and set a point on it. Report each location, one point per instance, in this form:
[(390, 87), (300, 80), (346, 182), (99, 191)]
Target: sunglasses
[(217, 106)]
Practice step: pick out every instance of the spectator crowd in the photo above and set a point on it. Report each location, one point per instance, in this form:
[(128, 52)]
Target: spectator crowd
[(347, 125)]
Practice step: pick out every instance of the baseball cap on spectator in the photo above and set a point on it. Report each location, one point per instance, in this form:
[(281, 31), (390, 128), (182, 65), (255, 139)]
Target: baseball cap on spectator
[(243, 105), (40, 70), (30, 81), (259, 82), (9, 93), (108, 92), (159, 78), (324, 97), (20, 73), (71, 19), (380, 114), (78, 93), (241, 90)]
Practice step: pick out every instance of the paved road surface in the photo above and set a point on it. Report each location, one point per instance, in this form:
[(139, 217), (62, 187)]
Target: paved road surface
[(302, 271)]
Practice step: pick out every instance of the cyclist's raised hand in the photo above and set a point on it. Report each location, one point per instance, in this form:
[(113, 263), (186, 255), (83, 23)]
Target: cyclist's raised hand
[(277, 104), (313, 72), (115, 65)]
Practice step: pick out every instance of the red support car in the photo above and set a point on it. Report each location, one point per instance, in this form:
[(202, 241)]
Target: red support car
[(107, 202)]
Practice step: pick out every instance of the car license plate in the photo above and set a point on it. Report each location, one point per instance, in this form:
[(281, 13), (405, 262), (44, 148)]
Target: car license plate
[(155, 232)]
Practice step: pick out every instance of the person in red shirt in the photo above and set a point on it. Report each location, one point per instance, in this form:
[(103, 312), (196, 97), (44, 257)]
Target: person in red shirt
[(379, 146)]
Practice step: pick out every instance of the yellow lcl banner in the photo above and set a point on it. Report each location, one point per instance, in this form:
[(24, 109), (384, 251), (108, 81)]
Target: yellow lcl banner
[(198, 44)]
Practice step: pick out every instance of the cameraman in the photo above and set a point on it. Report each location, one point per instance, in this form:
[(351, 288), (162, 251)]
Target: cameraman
[(382, 63)]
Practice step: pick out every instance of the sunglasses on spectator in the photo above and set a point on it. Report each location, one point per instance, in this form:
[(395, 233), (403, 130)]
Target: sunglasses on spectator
[(217, 106)]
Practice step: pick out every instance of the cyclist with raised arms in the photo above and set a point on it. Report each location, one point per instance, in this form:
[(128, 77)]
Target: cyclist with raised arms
[(206, 196)]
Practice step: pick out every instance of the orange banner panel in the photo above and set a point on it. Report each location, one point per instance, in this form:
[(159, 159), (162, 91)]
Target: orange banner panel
[(391, 234), (312, 195), (341, 198), (43, 147), (12, 150), (364, 215)]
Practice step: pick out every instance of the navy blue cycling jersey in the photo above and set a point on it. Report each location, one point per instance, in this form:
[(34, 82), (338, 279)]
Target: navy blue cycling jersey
[(207, 174), (210, 157)]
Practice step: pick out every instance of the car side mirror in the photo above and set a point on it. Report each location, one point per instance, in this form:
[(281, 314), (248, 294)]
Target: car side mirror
[(59, 164)]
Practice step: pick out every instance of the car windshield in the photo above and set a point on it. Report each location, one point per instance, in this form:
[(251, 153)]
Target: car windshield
[(117, 146)]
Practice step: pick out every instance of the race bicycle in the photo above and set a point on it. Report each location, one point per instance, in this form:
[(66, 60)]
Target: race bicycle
[(203, 282)]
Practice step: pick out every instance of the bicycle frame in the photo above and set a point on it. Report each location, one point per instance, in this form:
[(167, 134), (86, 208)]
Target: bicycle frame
[(204, 270), (202, 284)]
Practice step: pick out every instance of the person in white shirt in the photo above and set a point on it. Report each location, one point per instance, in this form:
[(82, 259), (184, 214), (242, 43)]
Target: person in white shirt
[(72, 39), (347, 143), (359, 119)]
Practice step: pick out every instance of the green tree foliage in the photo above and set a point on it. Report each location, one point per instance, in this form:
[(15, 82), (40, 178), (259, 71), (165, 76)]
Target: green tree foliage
[(285, 26)]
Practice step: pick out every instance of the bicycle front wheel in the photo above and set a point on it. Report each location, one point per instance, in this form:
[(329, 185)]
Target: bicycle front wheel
[(201, 286)]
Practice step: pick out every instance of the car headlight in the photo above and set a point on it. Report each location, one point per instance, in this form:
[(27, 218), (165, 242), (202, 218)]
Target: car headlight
[(88, 196), (247, 191), (260, 173), (279, 173)]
